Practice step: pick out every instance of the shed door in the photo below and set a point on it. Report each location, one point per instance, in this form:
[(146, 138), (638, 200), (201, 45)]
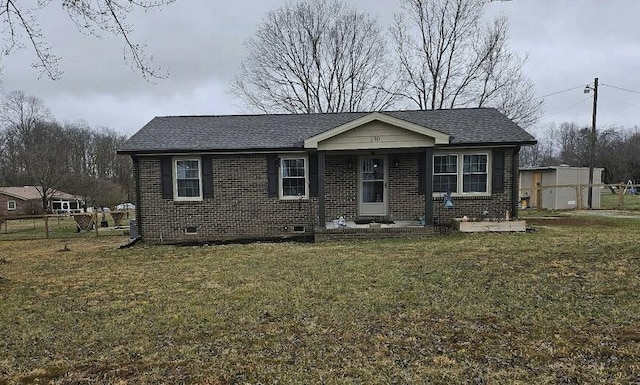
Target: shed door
[(535, 181)]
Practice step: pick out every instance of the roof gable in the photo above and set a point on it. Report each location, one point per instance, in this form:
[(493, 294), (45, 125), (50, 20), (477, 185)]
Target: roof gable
[(431, 136)]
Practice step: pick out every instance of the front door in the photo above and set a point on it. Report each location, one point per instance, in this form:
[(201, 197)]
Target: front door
[(373, 185)]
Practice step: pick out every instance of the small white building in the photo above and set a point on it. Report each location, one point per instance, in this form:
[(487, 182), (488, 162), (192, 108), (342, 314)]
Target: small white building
[(558, 186)]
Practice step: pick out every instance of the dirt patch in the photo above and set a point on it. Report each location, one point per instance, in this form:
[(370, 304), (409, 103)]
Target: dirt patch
[(607, 213), (582, 221)]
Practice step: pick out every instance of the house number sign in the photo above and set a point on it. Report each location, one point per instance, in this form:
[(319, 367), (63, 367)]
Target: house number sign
[(375, 139)]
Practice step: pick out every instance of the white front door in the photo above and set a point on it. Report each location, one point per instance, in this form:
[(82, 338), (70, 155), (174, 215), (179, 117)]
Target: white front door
[(373, 185)]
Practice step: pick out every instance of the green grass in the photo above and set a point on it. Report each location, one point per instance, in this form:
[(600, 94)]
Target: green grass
[(559, 305), (612, 201)]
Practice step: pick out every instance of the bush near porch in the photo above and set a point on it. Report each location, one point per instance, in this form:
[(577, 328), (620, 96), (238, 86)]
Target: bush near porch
[(558, 305)]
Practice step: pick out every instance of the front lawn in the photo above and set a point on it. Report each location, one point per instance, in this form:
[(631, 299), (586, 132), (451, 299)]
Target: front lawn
[(559, 305)]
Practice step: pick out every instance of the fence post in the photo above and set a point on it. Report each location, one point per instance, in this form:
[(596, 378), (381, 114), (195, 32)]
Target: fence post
[(620, 196), (538, 197), (95, 222), (579, 196), (46, 225)]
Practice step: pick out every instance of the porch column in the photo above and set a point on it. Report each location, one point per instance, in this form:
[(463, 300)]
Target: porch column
[(428, 187), (515, 182), (321, 195)]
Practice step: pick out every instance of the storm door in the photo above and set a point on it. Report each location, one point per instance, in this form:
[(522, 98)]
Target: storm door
[(373, 185)]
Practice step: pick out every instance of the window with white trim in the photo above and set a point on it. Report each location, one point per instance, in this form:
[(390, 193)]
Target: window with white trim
[(187, 184), (445, 173), (11, 205), (471, 176), (475, 173), (294, 177)]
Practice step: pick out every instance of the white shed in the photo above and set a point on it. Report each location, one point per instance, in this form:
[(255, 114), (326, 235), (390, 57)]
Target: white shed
[(558, 186)]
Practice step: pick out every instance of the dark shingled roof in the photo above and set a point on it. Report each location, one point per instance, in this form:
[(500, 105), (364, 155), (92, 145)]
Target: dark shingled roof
[(466, 126)]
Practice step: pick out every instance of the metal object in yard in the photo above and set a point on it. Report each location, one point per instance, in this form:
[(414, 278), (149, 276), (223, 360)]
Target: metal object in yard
[(133, 229)]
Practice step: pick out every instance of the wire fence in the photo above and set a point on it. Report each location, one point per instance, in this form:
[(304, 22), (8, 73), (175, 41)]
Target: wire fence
[(65, 226), (622, 196)]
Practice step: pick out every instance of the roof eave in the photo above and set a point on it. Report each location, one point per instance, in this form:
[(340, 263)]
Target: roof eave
[(14, 195), (209, 150), (494, 144)]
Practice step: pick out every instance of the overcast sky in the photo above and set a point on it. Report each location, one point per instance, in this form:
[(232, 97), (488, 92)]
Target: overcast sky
[(200, 42)]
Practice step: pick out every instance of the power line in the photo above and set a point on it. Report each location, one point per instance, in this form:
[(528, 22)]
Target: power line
[(566, 109), (620, 101), (559, 92), (620, 88)]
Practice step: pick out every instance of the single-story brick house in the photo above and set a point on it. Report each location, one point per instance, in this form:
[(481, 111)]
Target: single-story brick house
[(27, 200), (207, 178)]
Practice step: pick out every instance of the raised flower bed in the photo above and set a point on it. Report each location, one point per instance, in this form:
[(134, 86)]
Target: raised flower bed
[(471, 226)]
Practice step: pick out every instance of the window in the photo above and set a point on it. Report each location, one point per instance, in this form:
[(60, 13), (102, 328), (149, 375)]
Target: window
[(11, 205), (474, 173), (188, 179), (445, 173), (470, 176), (293, 177)]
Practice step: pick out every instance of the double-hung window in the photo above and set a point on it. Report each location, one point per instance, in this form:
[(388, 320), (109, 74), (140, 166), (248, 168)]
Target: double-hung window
[(461, 173), (294, 175), (445, 173), (474, 173), (11, 205), (188, 179)]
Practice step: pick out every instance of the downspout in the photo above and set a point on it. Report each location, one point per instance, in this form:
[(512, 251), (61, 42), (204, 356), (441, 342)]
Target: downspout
[(136, 177)]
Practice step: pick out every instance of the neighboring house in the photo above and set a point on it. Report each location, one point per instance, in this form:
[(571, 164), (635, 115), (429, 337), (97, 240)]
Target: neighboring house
[(555, 187), (26, 200), (202, 178)]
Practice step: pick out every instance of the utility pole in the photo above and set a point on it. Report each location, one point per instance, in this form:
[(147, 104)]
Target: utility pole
[(592, 147)]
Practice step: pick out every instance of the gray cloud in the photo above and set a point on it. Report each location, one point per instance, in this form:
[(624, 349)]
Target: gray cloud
[(200, 42)]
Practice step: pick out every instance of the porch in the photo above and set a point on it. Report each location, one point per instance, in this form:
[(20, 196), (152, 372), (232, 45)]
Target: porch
[(375, 177), (377, 168), (353, 230)]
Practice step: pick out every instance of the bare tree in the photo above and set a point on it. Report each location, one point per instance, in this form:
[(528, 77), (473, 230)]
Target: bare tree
[(35, 150), (449, 58), (20, 29), (612, 154), (616, 150), (94, 164), (19, 114), (45, 158), (315, 56), (22, 111), (631, 155)]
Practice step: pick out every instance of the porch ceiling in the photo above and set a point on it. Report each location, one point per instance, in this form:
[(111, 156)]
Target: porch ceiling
[(376, 131)]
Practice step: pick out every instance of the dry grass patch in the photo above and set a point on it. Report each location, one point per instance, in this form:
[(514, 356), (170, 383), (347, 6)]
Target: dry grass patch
[(555, 306)]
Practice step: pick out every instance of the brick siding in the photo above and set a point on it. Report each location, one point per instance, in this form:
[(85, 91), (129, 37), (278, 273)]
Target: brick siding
[(241, 208)]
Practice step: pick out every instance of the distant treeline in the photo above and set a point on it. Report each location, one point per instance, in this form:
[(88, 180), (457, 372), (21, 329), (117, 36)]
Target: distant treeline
[(617, 150), (72, 157)]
